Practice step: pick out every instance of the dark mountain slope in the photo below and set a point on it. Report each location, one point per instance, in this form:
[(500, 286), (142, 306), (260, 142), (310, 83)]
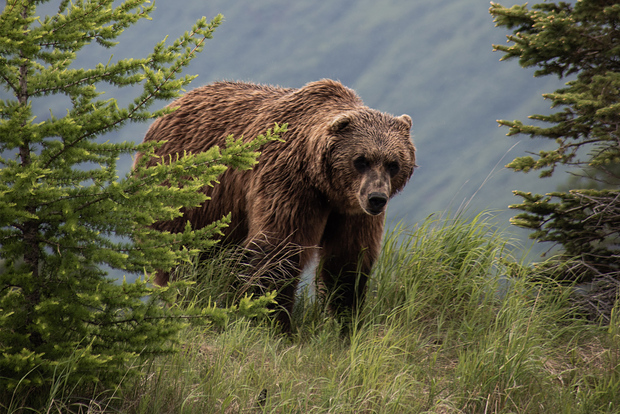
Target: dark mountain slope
[(431, 60)]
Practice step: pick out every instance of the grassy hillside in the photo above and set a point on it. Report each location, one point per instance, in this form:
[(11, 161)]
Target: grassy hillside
[(451, 325), (453, 322)]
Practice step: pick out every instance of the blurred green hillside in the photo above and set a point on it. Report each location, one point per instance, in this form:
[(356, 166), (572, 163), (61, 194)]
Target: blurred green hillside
[(431, 60)]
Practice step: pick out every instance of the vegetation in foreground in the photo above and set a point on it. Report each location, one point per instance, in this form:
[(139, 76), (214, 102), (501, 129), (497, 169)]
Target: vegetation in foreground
[(452, 325), (66, 217)]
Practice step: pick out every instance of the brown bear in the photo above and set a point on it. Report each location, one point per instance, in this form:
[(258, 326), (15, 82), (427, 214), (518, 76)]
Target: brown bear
[(323, 189)]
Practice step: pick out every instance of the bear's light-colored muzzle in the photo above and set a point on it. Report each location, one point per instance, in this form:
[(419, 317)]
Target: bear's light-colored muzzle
[(375, 191)]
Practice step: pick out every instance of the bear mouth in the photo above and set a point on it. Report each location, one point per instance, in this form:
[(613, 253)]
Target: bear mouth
[(374, 212)]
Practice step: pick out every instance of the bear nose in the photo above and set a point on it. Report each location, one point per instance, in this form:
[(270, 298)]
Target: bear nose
[(376, 202)]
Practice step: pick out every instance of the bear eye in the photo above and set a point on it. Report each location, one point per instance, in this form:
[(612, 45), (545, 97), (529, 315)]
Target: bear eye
[(393, 168), (361, 164)]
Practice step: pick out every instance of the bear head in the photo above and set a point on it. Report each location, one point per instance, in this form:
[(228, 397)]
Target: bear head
[(369, 158)]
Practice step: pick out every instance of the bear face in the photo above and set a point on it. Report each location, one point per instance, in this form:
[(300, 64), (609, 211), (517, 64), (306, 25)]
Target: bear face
[(373, 154)]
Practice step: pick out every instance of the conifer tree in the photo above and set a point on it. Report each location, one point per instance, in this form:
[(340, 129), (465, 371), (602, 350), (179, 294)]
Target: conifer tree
[(64, 212), (578, 42)]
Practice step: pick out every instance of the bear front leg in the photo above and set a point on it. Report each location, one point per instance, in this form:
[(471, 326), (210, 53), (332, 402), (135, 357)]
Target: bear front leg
[(350, 246)]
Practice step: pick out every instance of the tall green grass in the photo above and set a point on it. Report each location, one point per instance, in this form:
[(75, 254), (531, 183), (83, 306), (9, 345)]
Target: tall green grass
[(453, 323)]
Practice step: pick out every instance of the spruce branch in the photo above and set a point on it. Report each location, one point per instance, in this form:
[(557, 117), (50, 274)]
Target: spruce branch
[(578, 39)]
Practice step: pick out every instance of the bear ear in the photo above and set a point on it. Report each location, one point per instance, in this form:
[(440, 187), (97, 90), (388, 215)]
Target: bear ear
[(339, 123), (406, 119)]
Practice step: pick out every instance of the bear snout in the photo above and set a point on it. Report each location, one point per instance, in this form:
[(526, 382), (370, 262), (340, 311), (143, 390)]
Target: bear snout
[(376, 203)]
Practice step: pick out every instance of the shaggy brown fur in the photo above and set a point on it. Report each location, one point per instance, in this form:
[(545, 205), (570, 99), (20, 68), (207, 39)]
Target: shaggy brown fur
[(325, 186)]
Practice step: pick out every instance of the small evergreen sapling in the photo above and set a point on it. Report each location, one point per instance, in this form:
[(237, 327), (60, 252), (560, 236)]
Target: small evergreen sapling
[(578, 41), (64, 212)]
